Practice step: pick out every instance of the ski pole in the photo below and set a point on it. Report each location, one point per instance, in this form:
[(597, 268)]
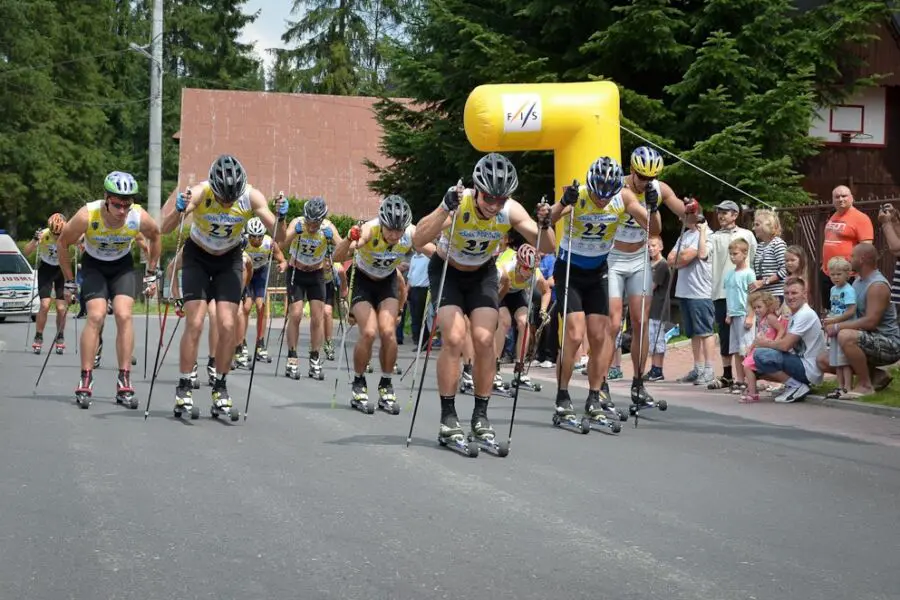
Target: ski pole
[(344, 339), (418, 349), (256, 351), (287, 309), (168, 344), (162, 327), (517, 371), (440, 295), (565, 306), (37, 257), (73, 301), (147, 330)]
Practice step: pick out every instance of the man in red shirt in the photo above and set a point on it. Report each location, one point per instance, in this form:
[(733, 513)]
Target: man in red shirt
[(846, 228)]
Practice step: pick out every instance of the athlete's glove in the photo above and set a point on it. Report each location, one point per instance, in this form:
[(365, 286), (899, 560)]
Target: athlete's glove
[(651, 197), (298, 228), (179, 307), (570, 194), (691, 206), (244, 241), (37, 234), (150, 280), (355, 233), (542, 214), (181, 202), (329, 235), (451, 199), (281, 205), (545, 317)]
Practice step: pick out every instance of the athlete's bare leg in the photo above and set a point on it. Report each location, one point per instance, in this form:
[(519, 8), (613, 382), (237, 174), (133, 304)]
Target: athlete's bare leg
[(387, 331), (122, 309)]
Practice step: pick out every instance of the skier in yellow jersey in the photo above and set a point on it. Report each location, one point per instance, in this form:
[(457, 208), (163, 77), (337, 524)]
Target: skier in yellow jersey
[(309, 240), (50, 280), (379, 246), (259, 247), (593, 211), (110, 227), (212, 266), (479, 218)]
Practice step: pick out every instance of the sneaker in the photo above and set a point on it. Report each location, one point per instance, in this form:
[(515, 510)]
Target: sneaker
[(691, 377), (614, 373), (719, 383), (705, 377), (582, 363), (546, 364), (793, 394), (655, 375)]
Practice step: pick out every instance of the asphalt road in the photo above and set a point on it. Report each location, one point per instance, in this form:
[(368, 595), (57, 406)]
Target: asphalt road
[(305, 500)]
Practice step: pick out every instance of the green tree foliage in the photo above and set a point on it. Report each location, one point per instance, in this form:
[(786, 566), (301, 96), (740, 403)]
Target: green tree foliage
[(730, 85)]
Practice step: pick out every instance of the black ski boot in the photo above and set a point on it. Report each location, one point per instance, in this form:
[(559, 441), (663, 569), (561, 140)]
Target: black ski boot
[(195, 378), (596, 409), (124, 390), (38, 343), (483, 433), (59, 344), (184, 399), (221, 401), (211, 371), (292, 366), (451, 434), (85, 389), (387, 400), (565, 417), (261, 352), (642, 400), (315, 366), (328, 348), (359, 398)]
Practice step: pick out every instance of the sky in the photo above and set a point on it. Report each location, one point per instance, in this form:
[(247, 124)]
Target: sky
[(266, 31)]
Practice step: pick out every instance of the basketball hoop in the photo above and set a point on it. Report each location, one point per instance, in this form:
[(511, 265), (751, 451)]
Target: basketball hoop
[(861, 136)]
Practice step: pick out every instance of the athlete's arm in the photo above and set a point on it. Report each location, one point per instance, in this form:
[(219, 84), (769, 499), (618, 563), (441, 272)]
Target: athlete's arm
[(675, 204), (428, 248), (504, 285), (174, 267), (74, 229), (170, 215), (544, 289), (248, 270), (342, 250), (335, 235), (150, 231), (279, 256), (429, 227), (633, 207), (260, 207), (558, 211), (32, 244), (528, 227)]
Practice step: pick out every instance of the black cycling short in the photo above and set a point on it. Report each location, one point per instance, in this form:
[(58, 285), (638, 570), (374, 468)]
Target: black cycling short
[(373, 291), (588, 290), (466, 289), (305, 285), (50, 279), (208, 276), (514, 301), (329, 292), (107, 279)]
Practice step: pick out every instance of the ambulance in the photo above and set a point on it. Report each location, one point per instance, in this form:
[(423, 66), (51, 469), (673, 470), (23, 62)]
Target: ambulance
[(18, 282)]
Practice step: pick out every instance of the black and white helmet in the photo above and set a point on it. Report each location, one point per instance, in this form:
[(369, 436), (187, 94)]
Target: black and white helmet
[(315, 209), (605, 177), (255, 227), (394, 213), (495, 175), (227, 178)]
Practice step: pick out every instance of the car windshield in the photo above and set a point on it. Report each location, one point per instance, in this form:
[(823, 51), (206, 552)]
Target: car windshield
[(14, 264)]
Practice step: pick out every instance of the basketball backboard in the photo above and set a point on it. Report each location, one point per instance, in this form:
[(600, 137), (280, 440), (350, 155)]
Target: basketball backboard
[(859, 121)]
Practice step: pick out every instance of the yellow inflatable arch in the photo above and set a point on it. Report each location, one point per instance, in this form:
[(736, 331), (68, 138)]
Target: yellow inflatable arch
[(579, 122)]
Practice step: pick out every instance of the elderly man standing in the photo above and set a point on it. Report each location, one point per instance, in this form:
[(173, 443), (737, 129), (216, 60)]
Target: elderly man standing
[(793, 358), (727, 213), (847, 228), (873, 338)]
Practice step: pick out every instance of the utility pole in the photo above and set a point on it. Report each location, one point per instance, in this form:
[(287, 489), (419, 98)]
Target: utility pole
[(154, 184)]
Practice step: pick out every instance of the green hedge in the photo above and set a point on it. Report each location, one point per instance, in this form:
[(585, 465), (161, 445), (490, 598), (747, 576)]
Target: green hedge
[(169, 241)]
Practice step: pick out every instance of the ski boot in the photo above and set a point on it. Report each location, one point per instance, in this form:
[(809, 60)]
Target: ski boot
[(609, 407), (328, 348), (387, 400), (642, 400), (466, 383), (499, 386), (369, 368), (211, 372), (451, 436), (359, 398), (596, 413), (292, 366), (221, 402), (195, 379), (124, 391), (85, 389), (565, 417), (38, 343), (99, 354), (261, 352), (245, 352), (239, 361), (522, 381), (59, 344), (397, 370), (484, 436), (184, 399), (315, 367)]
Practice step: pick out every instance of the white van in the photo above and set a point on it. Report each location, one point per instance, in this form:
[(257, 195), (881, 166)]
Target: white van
[(18, 282)]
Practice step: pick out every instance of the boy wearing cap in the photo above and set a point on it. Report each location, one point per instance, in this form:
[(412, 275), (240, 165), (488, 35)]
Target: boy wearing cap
[(727, 213)]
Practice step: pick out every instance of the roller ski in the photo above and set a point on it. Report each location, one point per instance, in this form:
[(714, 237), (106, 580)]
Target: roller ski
[(262, 354), (292, 366), (211, 373), (315, 367), (451, 436), (596, 410), (483, 436), (466, 383), (641, 400), (124, 391), (359, 396), (99, 354), (500, 387), (195, 379), (59, 344), (387, 400), (184, 399), (239, 360), (522, 381), (327, 348), (565, 417), (369, 368), (221, 403), (38, 344), (84, 390)]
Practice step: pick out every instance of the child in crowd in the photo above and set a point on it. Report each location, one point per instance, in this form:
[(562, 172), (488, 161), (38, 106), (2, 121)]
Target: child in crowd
[(769, 325), (656, 337), (843, 307), (739, 316), (796, 262)]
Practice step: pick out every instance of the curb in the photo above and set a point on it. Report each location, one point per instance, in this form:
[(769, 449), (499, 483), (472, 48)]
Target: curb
[(861, 407)]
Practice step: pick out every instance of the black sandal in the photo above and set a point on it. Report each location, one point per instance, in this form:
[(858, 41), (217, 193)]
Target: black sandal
[(836, 394)]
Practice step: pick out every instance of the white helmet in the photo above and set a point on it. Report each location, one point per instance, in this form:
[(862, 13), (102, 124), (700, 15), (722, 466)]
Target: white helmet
[(255, 227)]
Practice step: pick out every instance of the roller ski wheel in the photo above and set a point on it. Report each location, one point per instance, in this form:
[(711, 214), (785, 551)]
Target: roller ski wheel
[(292, 369), (127, 398), (604, 424), (36, 348), (391, 407), (59, 347), (565, 418), (83, 399), (451, 436), (660, 405), (316, 374), (194, 412), (526, 384), (184, 400), (133, 361), (262, 355), (84, 391), (221, 403), (226, 411), (363, 406), (489, 444)]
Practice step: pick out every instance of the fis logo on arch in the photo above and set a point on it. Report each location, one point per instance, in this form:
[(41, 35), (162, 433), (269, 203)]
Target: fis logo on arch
[(522, 113)]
